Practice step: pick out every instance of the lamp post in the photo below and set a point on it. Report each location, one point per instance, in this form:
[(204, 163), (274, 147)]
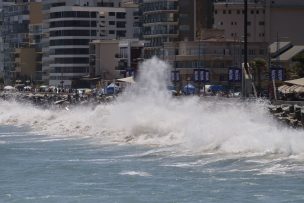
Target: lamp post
[(244, 92)]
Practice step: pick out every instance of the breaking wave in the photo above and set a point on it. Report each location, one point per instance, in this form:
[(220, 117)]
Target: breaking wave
[(147, 114)]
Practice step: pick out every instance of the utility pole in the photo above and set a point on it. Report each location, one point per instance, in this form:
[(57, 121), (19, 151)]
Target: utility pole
[(245, 71)]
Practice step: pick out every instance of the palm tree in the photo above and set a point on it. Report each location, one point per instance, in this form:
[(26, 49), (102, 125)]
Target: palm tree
[(296, 70), (259, 67)]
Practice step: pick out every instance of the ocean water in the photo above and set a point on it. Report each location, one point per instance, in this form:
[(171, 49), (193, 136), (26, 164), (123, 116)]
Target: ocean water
[(149, 147)]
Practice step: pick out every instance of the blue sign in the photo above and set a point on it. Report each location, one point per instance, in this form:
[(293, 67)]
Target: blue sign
[(127, 73), (175, 76), (234, 74), (201, 75), (276, 73), (207, 76), (196, 75)]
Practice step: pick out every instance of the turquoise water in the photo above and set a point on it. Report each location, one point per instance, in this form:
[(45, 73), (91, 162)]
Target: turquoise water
[(40, 168)]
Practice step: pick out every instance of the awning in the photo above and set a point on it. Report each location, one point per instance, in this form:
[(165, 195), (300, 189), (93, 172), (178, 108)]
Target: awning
[(299, 82), (299, 89), (285, 89), (127, 80)]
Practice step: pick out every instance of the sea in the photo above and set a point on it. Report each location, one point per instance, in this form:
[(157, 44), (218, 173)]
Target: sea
[(148, 146)]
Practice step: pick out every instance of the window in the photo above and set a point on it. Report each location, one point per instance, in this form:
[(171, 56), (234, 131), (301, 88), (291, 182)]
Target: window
[(111, 22), (261, 23), (55, 15), (93, 23), (72, 23), (63, 42), (72, 33), (238, 11), (70, 70), (120, 24), (229, 11), (215, 11), (112, 32), (71, 51), (111, 13), (224, 11), (121, 33), (93, 14), (69, 14), (78, 60), (83, 14), (120, 15)]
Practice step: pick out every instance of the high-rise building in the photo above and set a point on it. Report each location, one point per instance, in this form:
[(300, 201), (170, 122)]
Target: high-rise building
[(21, 30), (70, 29), (173, 20)]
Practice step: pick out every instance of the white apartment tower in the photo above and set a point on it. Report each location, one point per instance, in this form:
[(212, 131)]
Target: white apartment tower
[(70, 29)]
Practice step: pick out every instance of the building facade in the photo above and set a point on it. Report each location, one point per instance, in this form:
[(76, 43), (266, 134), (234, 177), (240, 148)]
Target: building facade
[(112, 59), (21, 30), (70, 29), (173, 20), (216, 56), (268, 21)]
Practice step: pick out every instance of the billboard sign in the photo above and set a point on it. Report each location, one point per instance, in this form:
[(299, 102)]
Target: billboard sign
[(175, 76), (277, 73), (201, 75), (234, 74)]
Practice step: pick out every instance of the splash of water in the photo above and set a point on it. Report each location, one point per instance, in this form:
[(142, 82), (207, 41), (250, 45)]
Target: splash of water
[(147, 114)]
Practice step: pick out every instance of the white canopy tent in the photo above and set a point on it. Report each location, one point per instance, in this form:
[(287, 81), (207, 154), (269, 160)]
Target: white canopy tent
[(129, 80), (299, 82), (9, 88)]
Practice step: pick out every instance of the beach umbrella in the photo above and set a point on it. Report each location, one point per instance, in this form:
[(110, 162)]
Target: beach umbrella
[(8, 87), (189, 89), (112, 88)]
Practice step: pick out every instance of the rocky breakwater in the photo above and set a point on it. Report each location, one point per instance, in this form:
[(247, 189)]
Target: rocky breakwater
[(289, 114)]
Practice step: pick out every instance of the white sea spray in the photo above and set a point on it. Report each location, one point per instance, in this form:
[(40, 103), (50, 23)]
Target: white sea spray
[(147, 114)]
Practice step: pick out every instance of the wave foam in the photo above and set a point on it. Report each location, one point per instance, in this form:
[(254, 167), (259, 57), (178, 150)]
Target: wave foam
[(147, 114)]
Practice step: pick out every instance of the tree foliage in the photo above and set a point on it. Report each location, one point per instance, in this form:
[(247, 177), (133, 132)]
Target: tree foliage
[(296, 70)]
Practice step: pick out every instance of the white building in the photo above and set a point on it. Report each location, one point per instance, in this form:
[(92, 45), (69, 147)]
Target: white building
[(70, 29)]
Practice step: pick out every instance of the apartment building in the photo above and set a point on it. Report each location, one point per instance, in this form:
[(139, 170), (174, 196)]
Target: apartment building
[(268, 20), (51, 4), (173, 20), (216, 56), (22, 21), (72, 28)]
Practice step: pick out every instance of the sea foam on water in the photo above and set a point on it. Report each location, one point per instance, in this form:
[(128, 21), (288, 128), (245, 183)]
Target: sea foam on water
[(146, 113)]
